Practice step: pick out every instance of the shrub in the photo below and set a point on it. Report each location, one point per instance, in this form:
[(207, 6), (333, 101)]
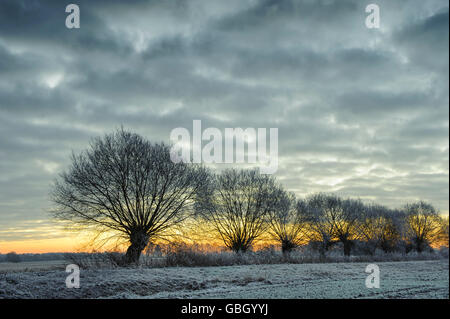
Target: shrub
[(96, 260)]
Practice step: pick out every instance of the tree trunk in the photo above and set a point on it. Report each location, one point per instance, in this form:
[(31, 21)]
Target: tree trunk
[(240, 246), (139, 241), (347, 247), (419, 244), (287, 246), (323, 248)]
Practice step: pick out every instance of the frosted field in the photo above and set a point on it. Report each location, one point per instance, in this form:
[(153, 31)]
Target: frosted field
[(413, 279), (31, 266)]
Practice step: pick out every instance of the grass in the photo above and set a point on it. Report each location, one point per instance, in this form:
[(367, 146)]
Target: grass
[(188, 256)]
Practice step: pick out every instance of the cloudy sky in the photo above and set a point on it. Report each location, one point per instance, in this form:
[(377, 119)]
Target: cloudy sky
[(361, 112)]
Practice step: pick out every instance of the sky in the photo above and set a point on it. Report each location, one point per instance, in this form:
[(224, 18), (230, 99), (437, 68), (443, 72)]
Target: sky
[(360, 112)]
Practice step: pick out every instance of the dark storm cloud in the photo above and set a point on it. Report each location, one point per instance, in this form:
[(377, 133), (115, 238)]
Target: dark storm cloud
[(361, 112)]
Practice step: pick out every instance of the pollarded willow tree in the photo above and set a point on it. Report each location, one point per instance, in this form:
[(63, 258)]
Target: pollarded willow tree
[(444, 232), (330, 219), (238, 203), (125, 184), (319, 212), (346, 220), (287, 222), (380, 227), (423, 225)]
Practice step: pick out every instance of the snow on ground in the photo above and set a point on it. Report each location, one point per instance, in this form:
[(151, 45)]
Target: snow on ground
[(413, 279)]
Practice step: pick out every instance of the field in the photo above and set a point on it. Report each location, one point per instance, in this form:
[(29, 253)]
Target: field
[(410, 279), (32, 266)]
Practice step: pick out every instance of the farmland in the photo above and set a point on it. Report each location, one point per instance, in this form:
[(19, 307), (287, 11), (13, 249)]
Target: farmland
[(409, 279)]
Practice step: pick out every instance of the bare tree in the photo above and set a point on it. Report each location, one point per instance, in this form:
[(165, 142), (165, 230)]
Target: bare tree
[(237, 204), (319, 216), (125, 184), (443, 233), (331, 219), (379, 226), (287, 222), (346, 221), (422, 224), (393, 230)]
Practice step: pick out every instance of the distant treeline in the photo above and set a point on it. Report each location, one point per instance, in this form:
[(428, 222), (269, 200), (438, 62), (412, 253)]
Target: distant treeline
[(13, 257)]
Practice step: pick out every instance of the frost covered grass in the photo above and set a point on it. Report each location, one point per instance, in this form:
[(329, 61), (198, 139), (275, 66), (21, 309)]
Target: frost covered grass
[(410, 279), (185, 272), (188, 256), (32, 266)]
